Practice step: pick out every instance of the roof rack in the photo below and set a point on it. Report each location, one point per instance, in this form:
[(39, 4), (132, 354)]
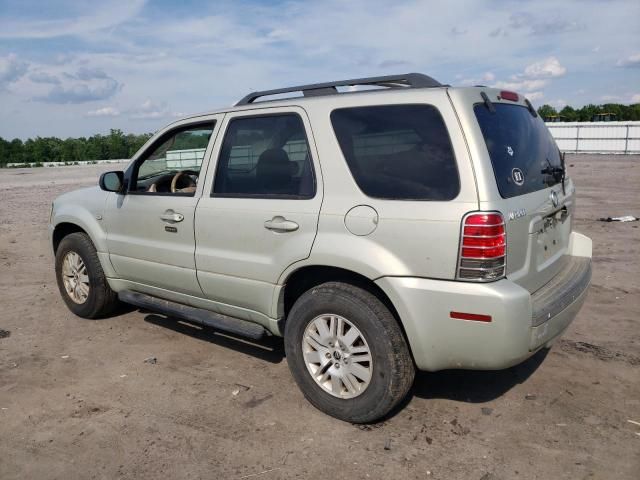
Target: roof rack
[(407, 80)]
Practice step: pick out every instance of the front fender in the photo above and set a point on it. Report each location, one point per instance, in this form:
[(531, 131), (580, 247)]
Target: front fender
[(85, 208)]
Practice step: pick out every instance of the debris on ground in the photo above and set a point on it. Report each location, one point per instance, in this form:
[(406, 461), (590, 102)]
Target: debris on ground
[(368, 428), (151, 360), (624, 218), (5, 334), (239, 388), (458, 429), (387, 444), (530, 396), (486, 410), (601, 353), (260, 473)]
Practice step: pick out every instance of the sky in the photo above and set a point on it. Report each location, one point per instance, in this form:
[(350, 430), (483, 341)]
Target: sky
[(77, 68)]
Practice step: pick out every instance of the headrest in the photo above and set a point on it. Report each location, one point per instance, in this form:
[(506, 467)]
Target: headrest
[(274, 169)]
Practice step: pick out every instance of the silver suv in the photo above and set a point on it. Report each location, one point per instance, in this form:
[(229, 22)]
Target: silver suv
[(380, 225)]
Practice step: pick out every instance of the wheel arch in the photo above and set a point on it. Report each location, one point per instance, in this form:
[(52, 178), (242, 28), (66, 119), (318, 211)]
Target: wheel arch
[(63, 229), (65, 226), (309, 276)]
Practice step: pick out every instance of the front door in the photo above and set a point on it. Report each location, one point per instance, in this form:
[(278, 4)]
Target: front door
[(259, 213), (150, 233)]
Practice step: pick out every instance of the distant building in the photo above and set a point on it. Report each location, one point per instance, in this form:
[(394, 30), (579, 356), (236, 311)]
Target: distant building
[(555, 118), (604, 117)]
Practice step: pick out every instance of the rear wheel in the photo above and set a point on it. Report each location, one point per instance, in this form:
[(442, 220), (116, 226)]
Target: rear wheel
[(80, 278), (347, 353)]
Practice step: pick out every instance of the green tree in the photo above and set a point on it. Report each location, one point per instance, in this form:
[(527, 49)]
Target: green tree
[(546, 111), (569, 114)]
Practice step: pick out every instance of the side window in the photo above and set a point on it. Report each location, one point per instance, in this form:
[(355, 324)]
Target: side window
[(398, 152), (172, 165), (265, 156)]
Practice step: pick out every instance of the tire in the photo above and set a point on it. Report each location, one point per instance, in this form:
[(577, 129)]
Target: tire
[(99, 300), (391, 370)]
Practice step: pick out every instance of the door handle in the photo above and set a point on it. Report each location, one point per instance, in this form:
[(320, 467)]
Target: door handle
[(281, 224), (171, 217)]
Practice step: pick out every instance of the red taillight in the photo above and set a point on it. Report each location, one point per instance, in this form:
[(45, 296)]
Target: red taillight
[(483, 247), (505, 95)]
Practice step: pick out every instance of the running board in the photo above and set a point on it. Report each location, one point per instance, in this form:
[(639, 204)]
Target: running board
[(217, 321)]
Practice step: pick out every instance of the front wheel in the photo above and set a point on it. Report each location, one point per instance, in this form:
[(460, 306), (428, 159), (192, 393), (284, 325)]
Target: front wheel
[(81, 281), (347, 352)]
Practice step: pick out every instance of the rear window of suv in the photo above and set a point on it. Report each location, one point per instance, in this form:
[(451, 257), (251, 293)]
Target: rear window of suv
[(398, 152), (523, 152)]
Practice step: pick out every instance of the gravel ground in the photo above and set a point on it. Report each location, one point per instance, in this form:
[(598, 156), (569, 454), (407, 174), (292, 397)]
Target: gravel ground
[(79, 401)]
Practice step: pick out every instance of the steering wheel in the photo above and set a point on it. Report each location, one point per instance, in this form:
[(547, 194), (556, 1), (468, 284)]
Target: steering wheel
[(174, 182)]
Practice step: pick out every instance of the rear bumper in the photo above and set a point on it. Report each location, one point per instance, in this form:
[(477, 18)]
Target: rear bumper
[(521, 323)]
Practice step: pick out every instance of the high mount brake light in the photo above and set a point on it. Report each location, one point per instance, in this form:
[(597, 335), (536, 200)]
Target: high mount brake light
[(483, 247), (512, 96)]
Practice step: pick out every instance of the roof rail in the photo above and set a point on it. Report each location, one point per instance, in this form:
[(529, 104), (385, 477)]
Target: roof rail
[(407, 80)]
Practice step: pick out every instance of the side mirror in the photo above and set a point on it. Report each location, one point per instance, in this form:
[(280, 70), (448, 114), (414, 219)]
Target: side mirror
[(112, 181)]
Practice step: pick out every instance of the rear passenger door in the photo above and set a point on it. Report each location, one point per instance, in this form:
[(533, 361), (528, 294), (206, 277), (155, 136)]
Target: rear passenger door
[(260, 210)]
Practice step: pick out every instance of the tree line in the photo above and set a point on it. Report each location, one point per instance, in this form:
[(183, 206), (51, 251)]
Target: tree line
[(115, 145), (586, 113)]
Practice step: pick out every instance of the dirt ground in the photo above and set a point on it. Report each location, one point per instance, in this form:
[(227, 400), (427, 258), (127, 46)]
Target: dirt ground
[(78, 400)]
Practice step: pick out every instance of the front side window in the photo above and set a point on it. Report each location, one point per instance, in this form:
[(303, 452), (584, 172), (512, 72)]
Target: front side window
[(265, 156), (398, 152), (172, 165)]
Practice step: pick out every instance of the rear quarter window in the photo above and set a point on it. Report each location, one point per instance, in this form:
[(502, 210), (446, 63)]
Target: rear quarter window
[(398, 152)]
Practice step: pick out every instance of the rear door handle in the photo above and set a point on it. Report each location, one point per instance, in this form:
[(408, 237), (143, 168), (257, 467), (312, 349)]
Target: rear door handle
[(281, 224), (171, 217)]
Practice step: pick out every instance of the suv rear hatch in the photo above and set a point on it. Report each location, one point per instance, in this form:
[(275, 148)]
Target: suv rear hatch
[(520, 173)]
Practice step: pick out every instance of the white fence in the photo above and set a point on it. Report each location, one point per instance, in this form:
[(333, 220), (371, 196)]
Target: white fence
[(596, 137), (64, 164)]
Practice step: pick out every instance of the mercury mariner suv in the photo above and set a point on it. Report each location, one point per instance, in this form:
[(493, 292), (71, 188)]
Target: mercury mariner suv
[(380, 225)]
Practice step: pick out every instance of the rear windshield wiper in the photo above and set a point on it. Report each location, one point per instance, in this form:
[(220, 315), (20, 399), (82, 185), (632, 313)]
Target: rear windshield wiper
[(487, 102), (556, 172)]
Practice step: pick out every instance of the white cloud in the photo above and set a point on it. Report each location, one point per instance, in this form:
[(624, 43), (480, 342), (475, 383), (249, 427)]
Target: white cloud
[(558, 104), (537, 26), (482, 79), (214, 53), (549, 67), (86, 85), (635, 98), (81, 18), (533, 96), (522, 85), (104, 112), (534, 77), (632, 61), (150, 110), (44, 77), (11, 69), (610, 98)]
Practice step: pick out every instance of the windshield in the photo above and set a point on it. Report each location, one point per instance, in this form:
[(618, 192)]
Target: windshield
[(523, 153)]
